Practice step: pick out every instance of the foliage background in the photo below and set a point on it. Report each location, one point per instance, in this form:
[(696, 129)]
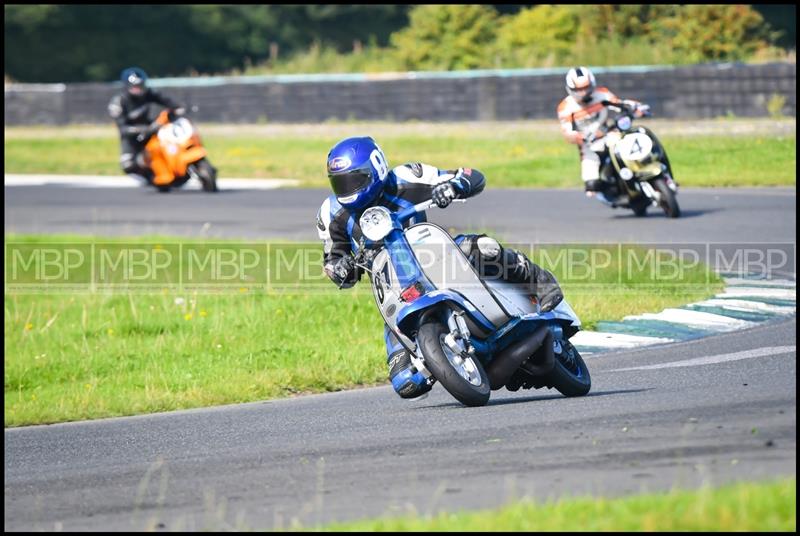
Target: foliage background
[(78, 43)]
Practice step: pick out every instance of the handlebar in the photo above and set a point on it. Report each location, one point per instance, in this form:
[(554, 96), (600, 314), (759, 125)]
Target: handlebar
[(624, 110), (404, 215), (401, 216)]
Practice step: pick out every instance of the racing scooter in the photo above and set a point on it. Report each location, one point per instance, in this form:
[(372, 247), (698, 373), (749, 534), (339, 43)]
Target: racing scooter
[(471, 334), (175, 154), (635, 166)]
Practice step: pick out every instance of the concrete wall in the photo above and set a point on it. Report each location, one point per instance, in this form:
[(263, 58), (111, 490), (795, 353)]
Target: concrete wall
[(700, 91)]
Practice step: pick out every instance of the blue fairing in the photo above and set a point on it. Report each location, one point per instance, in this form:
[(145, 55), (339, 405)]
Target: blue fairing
[(408, 314)]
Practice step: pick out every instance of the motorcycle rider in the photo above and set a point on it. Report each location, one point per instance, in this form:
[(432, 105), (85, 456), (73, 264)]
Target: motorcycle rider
[(134, 110), (360, 178), (581, 114)]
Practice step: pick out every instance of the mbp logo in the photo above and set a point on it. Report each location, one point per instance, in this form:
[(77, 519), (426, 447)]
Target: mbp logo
[(47, 264)]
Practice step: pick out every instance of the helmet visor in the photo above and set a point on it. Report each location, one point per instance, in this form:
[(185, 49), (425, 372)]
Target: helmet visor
[(344, 184)]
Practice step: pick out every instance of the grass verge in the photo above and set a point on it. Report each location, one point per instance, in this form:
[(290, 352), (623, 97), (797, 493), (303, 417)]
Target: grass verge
[(134, 336), (515, 154), (742, 507)]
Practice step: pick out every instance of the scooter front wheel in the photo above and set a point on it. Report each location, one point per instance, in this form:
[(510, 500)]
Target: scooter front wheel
[(207, 174), (463, 377)]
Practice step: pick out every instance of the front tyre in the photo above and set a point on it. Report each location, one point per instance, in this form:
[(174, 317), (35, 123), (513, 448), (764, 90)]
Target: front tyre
[(668, 201), (207, 174), (465, 379), (569, 376), (639, 206)]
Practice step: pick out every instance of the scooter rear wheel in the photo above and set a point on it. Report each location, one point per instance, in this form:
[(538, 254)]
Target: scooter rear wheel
[(570, 376)]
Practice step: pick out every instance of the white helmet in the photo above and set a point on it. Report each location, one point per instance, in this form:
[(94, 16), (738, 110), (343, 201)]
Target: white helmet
[(580, 83)]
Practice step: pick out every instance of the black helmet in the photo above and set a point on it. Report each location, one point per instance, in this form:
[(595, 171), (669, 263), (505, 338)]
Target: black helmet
[(134, 80)]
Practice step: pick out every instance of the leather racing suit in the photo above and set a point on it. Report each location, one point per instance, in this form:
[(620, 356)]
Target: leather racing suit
[(405, 186), (580, 122), (134, 116)]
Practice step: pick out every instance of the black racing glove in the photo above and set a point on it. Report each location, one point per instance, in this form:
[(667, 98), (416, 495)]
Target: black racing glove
[(443, 193), (151, 129), (175, 113), (341, 271)]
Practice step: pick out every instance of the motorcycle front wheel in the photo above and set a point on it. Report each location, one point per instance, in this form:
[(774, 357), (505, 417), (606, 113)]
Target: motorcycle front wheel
[(464, 378), (668, 201), (207, 174)]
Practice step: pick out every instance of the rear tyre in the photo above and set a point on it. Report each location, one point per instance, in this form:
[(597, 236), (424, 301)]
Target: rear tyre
[(569, 376), (465, 379), (668, 201)]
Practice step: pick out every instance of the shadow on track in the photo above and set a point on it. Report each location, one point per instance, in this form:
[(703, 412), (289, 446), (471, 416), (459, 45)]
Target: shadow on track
[(504, 401), (658, 213)]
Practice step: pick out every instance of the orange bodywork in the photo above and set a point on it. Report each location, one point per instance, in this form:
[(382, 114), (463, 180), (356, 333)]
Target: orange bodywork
[(169, 160)]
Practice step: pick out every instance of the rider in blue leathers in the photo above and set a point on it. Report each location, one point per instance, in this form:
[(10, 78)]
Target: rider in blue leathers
[(360, 178)]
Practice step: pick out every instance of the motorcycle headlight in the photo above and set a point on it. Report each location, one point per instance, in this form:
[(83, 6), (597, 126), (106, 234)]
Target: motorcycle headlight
[(376, 223), (624, 122), (625, 174)]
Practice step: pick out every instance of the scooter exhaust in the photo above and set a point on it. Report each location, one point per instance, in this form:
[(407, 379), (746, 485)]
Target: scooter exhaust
[(506, 363)]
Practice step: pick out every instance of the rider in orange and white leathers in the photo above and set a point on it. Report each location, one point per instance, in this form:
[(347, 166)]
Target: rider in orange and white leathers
[(581, 114)]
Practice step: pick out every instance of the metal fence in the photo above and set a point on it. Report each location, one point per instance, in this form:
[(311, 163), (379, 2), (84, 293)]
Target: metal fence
[(699, 91)]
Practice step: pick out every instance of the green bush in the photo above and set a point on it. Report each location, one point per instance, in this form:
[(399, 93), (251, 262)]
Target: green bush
[(775, 105), (541, 36), (714, 32), (448, 37)]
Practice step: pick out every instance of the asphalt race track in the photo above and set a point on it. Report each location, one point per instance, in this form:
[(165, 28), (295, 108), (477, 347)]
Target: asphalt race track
[(708, 411), (546, 215), (367, 452)]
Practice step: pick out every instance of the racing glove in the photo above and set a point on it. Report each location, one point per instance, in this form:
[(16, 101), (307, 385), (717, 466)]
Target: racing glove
[(443, 193), (148, 131), (457, 187), (341, 272)]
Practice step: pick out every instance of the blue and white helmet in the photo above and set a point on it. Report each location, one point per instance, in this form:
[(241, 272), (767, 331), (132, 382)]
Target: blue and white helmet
[(357, 170)]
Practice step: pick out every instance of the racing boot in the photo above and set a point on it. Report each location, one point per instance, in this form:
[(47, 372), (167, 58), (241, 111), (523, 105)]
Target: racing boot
[(594, 186), (406, 380), (539, 282), (494, 261)]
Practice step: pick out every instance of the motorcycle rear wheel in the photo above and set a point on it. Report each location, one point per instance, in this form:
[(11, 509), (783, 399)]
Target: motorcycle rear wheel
[(465, 379)]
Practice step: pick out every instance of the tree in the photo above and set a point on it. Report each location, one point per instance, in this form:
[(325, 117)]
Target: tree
[(451, 36), (542, 35), (715, 32), (72, 43)]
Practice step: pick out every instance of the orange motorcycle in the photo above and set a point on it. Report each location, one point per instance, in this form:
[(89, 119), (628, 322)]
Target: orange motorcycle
[(176, 154)]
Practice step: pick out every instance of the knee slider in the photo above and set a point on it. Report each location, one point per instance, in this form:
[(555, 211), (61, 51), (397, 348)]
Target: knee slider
[(489, 248)]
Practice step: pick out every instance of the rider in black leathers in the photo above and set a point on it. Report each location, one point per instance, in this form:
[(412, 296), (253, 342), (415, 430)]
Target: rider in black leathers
[(134, 111), (360, 178)]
